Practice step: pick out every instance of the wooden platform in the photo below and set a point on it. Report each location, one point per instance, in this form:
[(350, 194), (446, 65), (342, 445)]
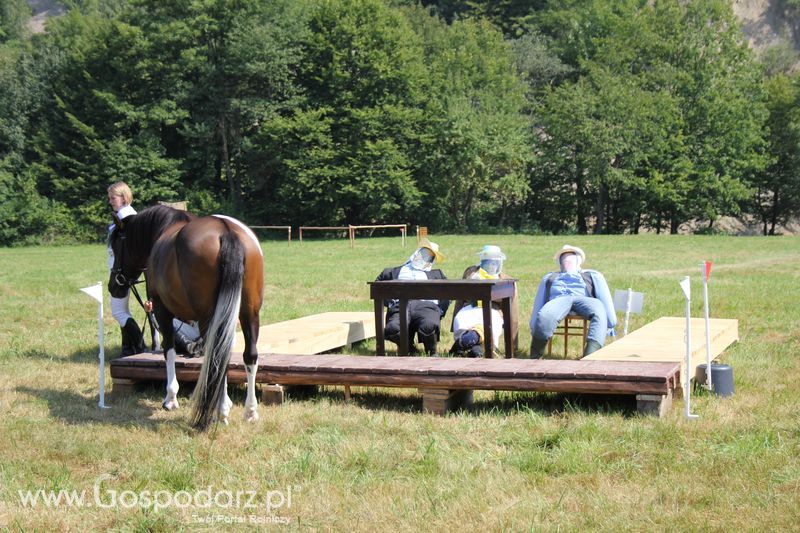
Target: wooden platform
[(312, 334), (663, 341), (438, 379)]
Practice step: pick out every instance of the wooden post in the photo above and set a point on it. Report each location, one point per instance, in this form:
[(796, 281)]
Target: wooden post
[(272, 394), (653, 404), (120, 388), (443, 401)]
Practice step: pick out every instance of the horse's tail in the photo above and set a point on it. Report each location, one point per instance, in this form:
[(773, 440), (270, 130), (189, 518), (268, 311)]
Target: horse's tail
[(221, 332)]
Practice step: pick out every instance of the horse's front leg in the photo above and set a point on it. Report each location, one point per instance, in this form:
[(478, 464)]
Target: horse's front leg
[(250, 356), (164, 319)]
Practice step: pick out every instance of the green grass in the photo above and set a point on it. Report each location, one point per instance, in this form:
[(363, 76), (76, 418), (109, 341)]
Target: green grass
[(516, 462)]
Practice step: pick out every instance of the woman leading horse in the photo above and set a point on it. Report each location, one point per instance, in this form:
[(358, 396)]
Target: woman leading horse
[(208, 269)]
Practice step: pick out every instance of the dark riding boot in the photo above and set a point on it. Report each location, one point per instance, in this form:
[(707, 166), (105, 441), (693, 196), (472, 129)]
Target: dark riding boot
[(125, 343), (476, 351), (132, 339), (537, 347), (591, 346), (188, 347)]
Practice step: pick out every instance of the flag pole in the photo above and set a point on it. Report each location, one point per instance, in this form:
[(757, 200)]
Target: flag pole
[(706, 267), (96, 293), (102, 355), (628, 310), (687, 386)]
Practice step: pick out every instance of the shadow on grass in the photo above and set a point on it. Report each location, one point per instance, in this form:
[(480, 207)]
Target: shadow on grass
[(501, 403), (74, 408), (551, 403), (89, 356)]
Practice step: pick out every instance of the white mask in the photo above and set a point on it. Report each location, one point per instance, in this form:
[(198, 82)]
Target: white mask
[(422, 259), (570, 262), (492, 266)]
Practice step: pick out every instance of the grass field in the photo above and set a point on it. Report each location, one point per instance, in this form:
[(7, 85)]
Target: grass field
[(516, 462)]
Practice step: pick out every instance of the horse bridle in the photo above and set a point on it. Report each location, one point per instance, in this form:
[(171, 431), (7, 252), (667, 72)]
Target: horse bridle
[(122, 280)]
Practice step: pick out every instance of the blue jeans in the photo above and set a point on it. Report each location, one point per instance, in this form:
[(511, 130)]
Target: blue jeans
[(554, 311)]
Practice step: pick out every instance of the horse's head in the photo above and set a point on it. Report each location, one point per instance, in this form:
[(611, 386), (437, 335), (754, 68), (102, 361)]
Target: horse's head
[(126, 270)]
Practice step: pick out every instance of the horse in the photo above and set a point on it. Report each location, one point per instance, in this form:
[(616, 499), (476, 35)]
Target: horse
[(207, 269)]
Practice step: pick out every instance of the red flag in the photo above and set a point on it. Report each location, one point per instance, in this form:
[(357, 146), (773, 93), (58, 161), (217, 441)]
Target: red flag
[(707, 269)]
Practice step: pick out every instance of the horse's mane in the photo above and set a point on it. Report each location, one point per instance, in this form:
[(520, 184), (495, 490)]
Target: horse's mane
[(146, 226)]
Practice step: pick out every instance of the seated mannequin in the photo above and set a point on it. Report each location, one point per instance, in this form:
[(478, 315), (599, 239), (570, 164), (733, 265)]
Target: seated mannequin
[(576, 291), (424, 316), (468, 332)]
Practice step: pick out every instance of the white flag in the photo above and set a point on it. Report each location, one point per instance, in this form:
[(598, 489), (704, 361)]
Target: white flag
[(95, 291), (621, 301), (685, 285)]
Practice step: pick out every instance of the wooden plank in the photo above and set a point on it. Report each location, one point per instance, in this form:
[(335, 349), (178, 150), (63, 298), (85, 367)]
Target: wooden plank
[(421, 366), (663, 341), (312, 334), (474, 383)]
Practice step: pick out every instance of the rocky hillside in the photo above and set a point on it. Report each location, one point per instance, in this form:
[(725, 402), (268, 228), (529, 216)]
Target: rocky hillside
[(766, 22), (770, 23)]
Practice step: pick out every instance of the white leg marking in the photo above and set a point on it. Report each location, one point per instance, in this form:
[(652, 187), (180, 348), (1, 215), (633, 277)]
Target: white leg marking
[(251, 404), (171, 399), (225, 403)]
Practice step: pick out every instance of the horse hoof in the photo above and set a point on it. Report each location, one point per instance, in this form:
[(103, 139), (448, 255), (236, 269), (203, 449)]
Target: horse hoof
[(170, 405), (251, 416), (225, 421)]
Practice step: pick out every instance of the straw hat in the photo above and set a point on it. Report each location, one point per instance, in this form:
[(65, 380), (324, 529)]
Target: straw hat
[(433, 247), (570, 249)]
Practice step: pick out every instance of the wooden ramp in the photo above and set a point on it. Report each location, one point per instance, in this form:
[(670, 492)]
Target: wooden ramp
[(311, 334), (663, 340), (445, 383)]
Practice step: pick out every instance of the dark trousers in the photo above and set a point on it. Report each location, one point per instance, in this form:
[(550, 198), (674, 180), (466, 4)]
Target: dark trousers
[(423, 320)]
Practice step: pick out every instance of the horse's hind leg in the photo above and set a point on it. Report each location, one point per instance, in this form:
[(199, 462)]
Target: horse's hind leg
[(225, 403), (250, 327), (164, 319)]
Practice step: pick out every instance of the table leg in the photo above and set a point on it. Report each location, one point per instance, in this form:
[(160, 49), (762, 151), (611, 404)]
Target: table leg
[(380, 342), (487, 328), (402, 348), (508, 328)]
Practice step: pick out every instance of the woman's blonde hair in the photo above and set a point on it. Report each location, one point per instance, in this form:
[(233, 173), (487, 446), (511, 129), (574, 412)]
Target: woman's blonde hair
[(121, 188)]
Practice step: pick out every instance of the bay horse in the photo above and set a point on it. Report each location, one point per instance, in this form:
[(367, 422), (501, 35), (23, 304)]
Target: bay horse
[(207, 269)]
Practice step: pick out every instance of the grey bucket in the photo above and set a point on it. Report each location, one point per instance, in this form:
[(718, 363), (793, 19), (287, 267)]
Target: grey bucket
[(721, 378)]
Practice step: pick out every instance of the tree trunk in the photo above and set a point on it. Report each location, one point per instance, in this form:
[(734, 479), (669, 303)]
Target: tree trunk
[(234, 188), (579, 198), (600, 210), (774, 214), (468, 205)]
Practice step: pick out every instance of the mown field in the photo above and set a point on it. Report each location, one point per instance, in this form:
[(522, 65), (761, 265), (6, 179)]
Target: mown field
[(515, 462)]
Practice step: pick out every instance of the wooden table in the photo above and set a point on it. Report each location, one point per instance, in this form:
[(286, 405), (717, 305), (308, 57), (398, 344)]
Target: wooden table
[(484, 290)]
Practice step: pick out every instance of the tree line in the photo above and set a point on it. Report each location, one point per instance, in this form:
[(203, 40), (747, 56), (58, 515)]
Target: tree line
[(599, 116)]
